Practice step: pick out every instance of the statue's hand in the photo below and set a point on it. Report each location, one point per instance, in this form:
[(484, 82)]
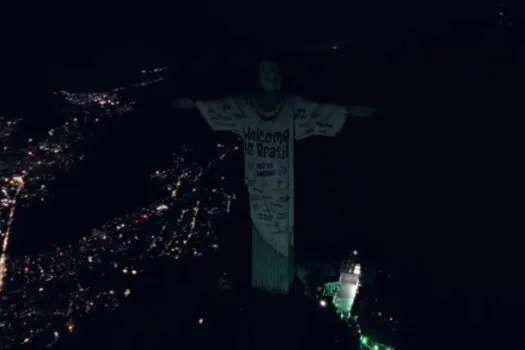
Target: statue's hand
[(183, 103), (362, 111)]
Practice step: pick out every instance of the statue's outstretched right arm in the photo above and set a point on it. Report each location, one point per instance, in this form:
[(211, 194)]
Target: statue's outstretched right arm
[(222, 115)]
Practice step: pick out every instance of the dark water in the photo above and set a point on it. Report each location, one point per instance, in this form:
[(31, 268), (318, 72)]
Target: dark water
[(113, 179)]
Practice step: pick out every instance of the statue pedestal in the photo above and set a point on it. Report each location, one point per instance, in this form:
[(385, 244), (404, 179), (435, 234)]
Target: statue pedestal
[(271, 271)]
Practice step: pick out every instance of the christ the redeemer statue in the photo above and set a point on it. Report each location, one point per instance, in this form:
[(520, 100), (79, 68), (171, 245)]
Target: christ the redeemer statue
[(269, 122)]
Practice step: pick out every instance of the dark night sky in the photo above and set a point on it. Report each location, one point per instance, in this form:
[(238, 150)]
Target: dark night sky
[(48, 41), (69, 28)]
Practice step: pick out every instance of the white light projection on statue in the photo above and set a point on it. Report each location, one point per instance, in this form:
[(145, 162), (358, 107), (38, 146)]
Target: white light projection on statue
[(269, 123)]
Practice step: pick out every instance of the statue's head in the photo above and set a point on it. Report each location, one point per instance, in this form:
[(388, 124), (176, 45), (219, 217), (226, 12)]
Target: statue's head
[(269, 76)]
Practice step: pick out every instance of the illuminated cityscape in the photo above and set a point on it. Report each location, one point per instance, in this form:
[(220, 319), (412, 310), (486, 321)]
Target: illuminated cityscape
[(28, 171), (113, 253), (47, 294)]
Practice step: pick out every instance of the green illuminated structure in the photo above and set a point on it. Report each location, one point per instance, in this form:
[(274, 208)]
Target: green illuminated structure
[(367, 343), (370, 344)]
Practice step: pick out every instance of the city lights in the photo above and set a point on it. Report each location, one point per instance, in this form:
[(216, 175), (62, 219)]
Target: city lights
[(27, 171), (112, 256), (43, 296)]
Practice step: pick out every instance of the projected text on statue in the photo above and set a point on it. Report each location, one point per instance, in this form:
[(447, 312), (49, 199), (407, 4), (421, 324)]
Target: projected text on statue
[(266, 145)]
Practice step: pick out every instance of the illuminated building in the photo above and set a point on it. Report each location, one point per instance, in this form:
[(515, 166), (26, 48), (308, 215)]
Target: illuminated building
[(347, 288), (343, 293)]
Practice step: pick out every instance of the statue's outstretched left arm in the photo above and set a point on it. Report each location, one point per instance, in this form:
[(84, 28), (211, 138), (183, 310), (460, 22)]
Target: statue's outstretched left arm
[(313, 118)]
